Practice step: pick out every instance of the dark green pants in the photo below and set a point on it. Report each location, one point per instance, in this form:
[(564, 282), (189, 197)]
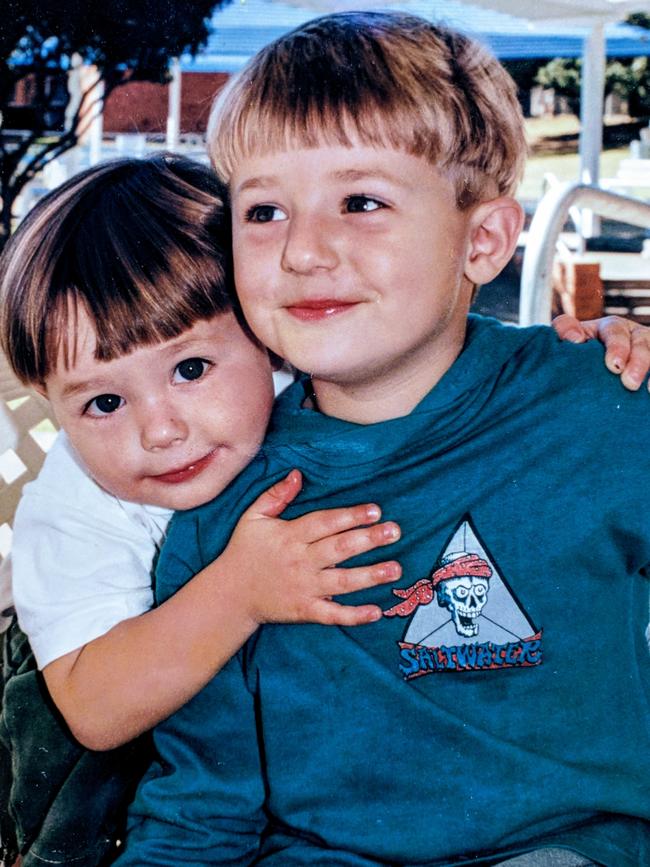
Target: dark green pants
[(59, 802)]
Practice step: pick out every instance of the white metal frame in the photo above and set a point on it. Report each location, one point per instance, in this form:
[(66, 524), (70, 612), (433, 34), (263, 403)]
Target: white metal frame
[(536, 278)]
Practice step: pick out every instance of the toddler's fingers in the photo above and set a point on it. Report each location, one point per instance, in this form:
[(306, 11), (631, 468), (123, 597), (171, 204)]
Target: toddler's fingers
[(638, 363), (615, 334), (334, 614), (569, 328), (336, 582), (336, 549), (275, 499), (325, 523), (627, 344)]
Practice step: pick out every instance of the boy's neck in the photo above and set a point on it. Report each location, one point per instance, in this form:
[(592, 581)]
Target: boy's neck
[(392, 393)]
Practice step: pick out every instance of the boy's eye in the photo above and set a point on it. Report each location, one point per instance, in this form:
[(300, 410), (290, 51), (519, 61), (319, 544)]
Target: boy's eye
[(362, 204), (104, 404), (190, 369), (264, 214)]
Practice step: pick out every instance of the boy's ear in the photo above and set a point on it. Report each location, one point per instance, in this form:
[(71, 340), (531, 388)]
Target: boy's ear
[(494, 230)]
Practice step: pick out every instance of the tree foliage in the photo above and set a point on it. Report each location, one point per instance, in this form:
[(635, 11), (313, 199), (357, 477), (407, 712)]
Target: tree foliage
[(639, 19), (638, 86), (629, 78), (563, 75), (125, 40)]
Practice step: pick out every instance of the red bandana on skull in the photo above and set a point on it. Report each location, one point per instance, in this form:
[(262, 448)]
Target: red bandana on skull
[(421, 593)]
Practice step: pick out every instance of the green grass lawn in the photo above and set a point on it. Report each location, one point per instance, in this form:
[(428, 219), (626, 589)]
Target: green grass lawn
[(565, 167), (554, 149)]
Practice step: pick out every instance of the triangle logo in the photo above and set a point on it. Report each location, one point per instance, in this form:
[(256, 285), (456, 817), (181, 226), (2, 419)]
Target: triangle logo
[(464, 616)]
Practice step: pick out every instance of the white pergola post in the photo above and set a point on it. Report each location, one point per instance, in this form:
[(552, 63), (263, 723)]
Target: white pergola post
[(92, 121), (74, 89), (96, 129), (592, 101), (174, 106)]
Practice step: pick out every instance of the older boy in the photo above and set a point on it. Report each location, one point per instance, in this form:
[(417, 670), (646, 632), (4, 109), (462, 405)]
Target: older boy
[(500, 706)]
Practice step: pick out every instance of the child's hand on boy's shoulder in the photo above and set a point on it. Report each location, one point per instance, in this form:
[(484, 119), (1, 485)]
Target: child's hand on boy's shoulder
[(288, 570), (627, 344)]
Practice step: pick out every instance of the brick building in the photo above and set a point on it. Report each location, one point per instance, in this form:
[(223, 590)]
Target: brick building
[(142, 107)]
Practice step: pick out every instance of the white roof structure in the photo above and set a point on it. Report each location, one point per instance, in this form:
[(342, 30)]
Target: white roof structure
[(566, 11)]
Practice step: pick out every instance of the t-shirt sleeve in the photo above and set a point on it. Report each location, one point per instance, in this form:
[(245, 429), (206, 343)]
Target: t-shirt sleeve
[(79, 564)]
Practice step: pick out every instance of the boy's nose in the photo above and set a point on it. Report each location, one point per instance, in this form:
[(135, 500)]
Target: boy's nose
[(309, 245), (160, 430)]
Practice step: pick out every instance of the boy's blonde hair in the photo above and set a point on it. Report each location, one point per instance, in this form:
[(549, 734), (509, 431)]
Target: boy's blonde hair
[(141, 245), (387, 79)]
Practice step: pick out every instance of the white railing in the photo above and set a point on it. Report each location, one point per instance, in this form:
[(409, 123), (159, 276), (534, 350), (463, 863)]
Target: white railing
[(536, 278)]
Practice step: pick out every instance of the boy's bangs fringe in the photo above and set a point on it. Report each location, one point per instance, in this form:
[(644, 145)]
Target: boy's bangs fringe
[(446, 139), (263, 130), (53, 340), (383, 80), (140, 246), (132, 319)]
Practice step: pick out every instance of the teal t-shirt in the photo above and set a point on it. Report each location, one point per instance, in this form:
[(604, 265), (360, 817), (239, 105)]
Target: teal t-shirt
[(501, 704)]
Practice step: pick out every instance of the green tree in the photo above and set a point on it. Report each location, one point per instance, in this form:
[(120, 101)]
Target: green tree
[(639, 19), (125, 40), (563, 75), (629, 78), (638, 94)]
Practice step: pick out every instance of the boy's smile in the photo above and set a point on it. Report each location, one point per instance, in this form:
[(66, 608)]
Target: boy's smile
[(172, 423), (349, 262), (318, 308)]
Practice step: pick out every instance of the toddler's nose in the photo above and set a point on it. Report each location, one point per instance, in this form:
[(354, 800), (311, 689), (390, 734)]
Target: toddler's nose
[(161, 430)]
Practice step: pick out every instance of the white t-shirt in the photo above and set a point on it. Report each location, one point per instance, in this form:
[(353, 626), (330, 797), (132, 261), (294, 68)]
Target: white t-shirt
[(81, 558)]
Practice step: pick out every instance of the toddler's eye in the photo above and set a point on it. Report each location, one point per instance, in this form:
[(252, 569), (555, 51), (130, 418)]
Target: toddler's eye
[(190, 369), (104, 404), (264, 214), (362, 204)]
